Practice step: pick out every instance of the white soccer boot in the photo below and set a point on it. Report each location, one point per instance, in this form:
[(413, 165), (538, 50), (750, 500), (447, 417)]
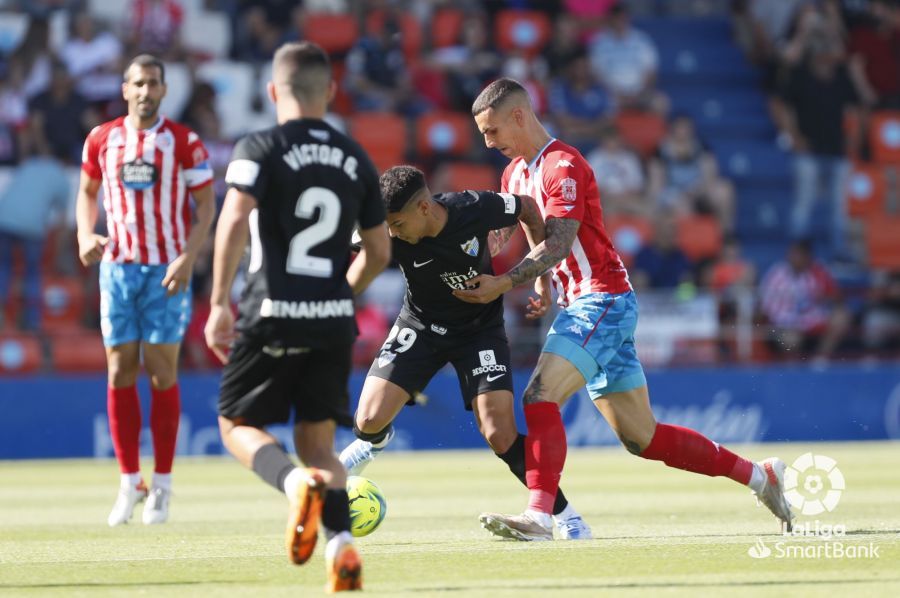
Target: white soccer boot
[(360, 453), (572, 528), (157, 508), (126, 501), (772, 494), (515, 527)]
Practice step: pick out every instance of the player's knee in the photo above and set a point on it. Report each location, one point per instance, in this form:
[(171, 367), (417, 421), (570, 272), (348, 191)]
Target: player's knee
[(370, 423), (499, 439), (120, 376)]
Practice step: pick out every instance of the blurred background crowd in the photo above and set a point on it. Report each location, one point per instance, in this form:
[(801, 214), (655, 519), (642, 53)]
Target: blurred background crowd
[(747, 152)]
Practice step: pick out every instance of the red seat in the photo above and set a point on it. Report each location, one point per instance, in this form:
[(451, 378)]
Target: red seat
[(866, 190), (336, 33), (20, 353), (641, 130), (525, 31), (884, 137), (77, 351), (444, 133), (446, 27), (883, 242), (382, 135), (629, 233), (410, 32), (63, 303), (699, 237), (459, 176)]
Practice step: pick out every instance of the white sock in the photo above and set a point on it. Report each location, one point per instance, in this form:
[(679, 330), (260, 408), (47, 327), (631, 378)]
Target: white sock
[(757, 479), (292, 482), (542, 518), (162, 480), (566, 513), (336, 542), (130, 480)]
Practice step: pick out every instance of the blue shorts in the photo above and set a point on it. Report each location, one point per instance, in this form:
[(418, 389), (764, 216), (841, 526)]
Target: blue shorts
[(596, 335), (134, 305)]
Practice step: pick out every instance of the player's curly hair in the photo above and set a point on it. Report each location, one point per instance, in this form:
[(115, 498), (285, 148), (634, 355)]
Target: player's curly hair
[(398, 185)]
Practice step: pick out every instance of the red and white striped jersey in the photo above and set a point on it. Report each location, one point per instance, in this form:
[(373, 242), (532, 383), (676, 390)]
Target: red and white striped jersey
[(798, 300), (563, 184), (146, 175)]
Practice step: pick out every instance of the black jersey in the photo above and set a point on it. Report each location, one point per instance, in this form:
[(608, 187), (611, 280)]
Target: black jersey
[(312, 185), (435, 266)]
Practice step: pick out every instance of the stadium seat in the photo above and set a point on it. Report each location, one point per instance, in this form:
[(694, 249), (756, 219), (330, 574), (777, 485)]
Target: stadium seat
[(883, 242), (629, 233), (207, 33), (19, 353), (336, 33), (641, 130), (12, 30), (459, 176), (866, 190), (884, 137), (524, 31), (699, 237), (444, 133), (63, 303), (77, 351), (446, 27), (234, 85), (410, 32), (383, 135)]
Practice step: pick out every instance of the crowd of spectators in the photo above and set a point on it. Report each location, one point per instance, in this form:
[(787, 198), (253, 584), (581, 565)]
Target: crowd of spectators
[(591, 72)]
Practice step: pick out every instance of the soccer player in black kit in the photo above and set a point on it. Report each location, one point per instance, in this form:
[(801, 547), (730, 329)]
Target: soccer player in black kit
[(440, 242), (299, 189)]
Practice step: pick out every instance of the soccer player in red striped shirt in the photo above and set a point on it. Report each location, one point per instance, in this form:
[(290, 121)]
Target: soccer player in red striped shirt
[(591, 342), (148, 166)]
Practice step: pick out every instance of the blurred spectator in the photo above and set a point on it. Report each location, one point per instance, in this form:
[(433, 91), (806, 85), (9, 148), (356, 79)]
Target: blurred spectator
[(469, 64), (33, 58), (155, 27), (373, 329), (377, 75), (578, 104), (875, 55), (94, 59), (625, 61), (620, 176), (684, 176), (817, 29), (731, 272), (801, 300), (39, 189), (201, 102), (257, 36), (661, 264), (13, 114), (565, 43), (817, 96), (881, 322), (59, 119), (208, 126), (588, 15)]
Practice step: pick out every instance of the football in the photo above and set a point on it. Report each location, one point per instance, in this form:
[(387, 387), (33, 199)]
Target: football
[(367, 506)]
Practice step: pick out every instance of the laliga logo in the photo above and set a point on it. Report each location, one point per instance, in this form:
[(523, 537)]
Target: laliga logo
[(805, 484)]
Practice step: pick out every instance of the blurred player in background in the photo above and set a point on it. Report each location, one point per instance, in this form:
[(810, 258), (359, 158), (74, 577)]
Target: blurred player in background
[(148, 165), (298, 189), (591, 341), (440, 242)]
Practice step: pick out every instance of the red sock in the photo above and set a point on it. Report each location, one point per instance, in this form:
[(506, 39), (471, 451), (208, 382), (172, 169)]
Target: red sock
[(545, 454), (124, 411), (687, 449), (164, 413)]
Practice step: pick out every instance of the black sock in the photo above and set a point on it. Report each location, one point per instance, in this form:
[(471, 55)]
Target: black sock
[(336, 512), (273, 465), (374, 437), (514, 457)]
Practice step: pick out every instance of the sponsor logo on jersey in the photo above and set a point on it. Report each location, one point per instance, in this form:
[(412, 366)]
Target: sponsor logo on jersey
[(455, 280), (569, 189), (471, 246), (306, 310), (564, 164), (386, 358), (489, 364), (138, 175), (509, 203), (438, 329)]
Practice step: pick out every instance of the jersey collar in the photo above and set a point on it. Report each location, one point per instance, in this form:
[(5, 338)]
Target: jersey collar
[(148, 130), (539, 154)]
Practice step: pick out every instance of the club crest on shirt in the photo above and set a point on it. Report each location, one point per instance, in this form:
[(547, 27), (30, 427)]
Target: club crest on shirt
[(386, 358), (138, 175), (471, 246), (568, 187), (165, 140)]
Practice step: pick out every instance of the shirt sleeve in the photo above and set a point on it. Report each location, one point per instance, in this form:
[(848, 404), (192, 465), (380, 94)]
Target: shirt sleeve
[(564, 187), (90, 155), (245, 171), (498, 210), (371, 210), (195, 163)]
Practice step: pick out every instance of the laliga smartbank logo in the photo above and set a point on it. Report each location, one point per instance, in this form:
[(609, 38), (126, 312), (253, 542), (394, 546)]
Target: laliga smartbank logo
[(813, 485)]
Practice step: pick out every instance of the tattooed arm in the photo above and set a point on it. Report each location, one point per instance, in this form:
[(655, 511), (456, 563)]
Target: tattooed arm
[(531, 221), (497, 239)]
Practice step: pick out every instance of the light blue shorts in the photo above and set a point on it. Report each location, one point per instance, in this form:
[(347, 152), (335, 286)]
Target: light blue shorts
[(596, 335), (134, 305)]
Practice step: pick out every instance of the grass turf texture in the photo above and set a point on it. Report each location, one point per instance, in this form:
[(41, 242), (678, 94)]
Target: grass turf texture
[(658, 531)]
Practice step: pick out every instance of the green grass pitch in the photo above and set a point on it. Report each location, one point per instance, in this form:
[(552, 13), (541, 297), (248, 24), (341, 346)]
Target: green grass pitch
[(658, 531)]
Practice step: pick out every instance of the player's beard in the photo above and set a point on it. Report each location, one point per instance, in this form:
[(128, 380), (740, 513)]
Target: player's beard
[(147, 110)]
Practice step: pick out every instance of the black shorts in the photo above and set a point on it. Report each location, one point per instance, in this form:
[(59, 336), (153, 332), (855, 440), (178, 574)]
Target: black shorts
[(261, 384), (410, 358)]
